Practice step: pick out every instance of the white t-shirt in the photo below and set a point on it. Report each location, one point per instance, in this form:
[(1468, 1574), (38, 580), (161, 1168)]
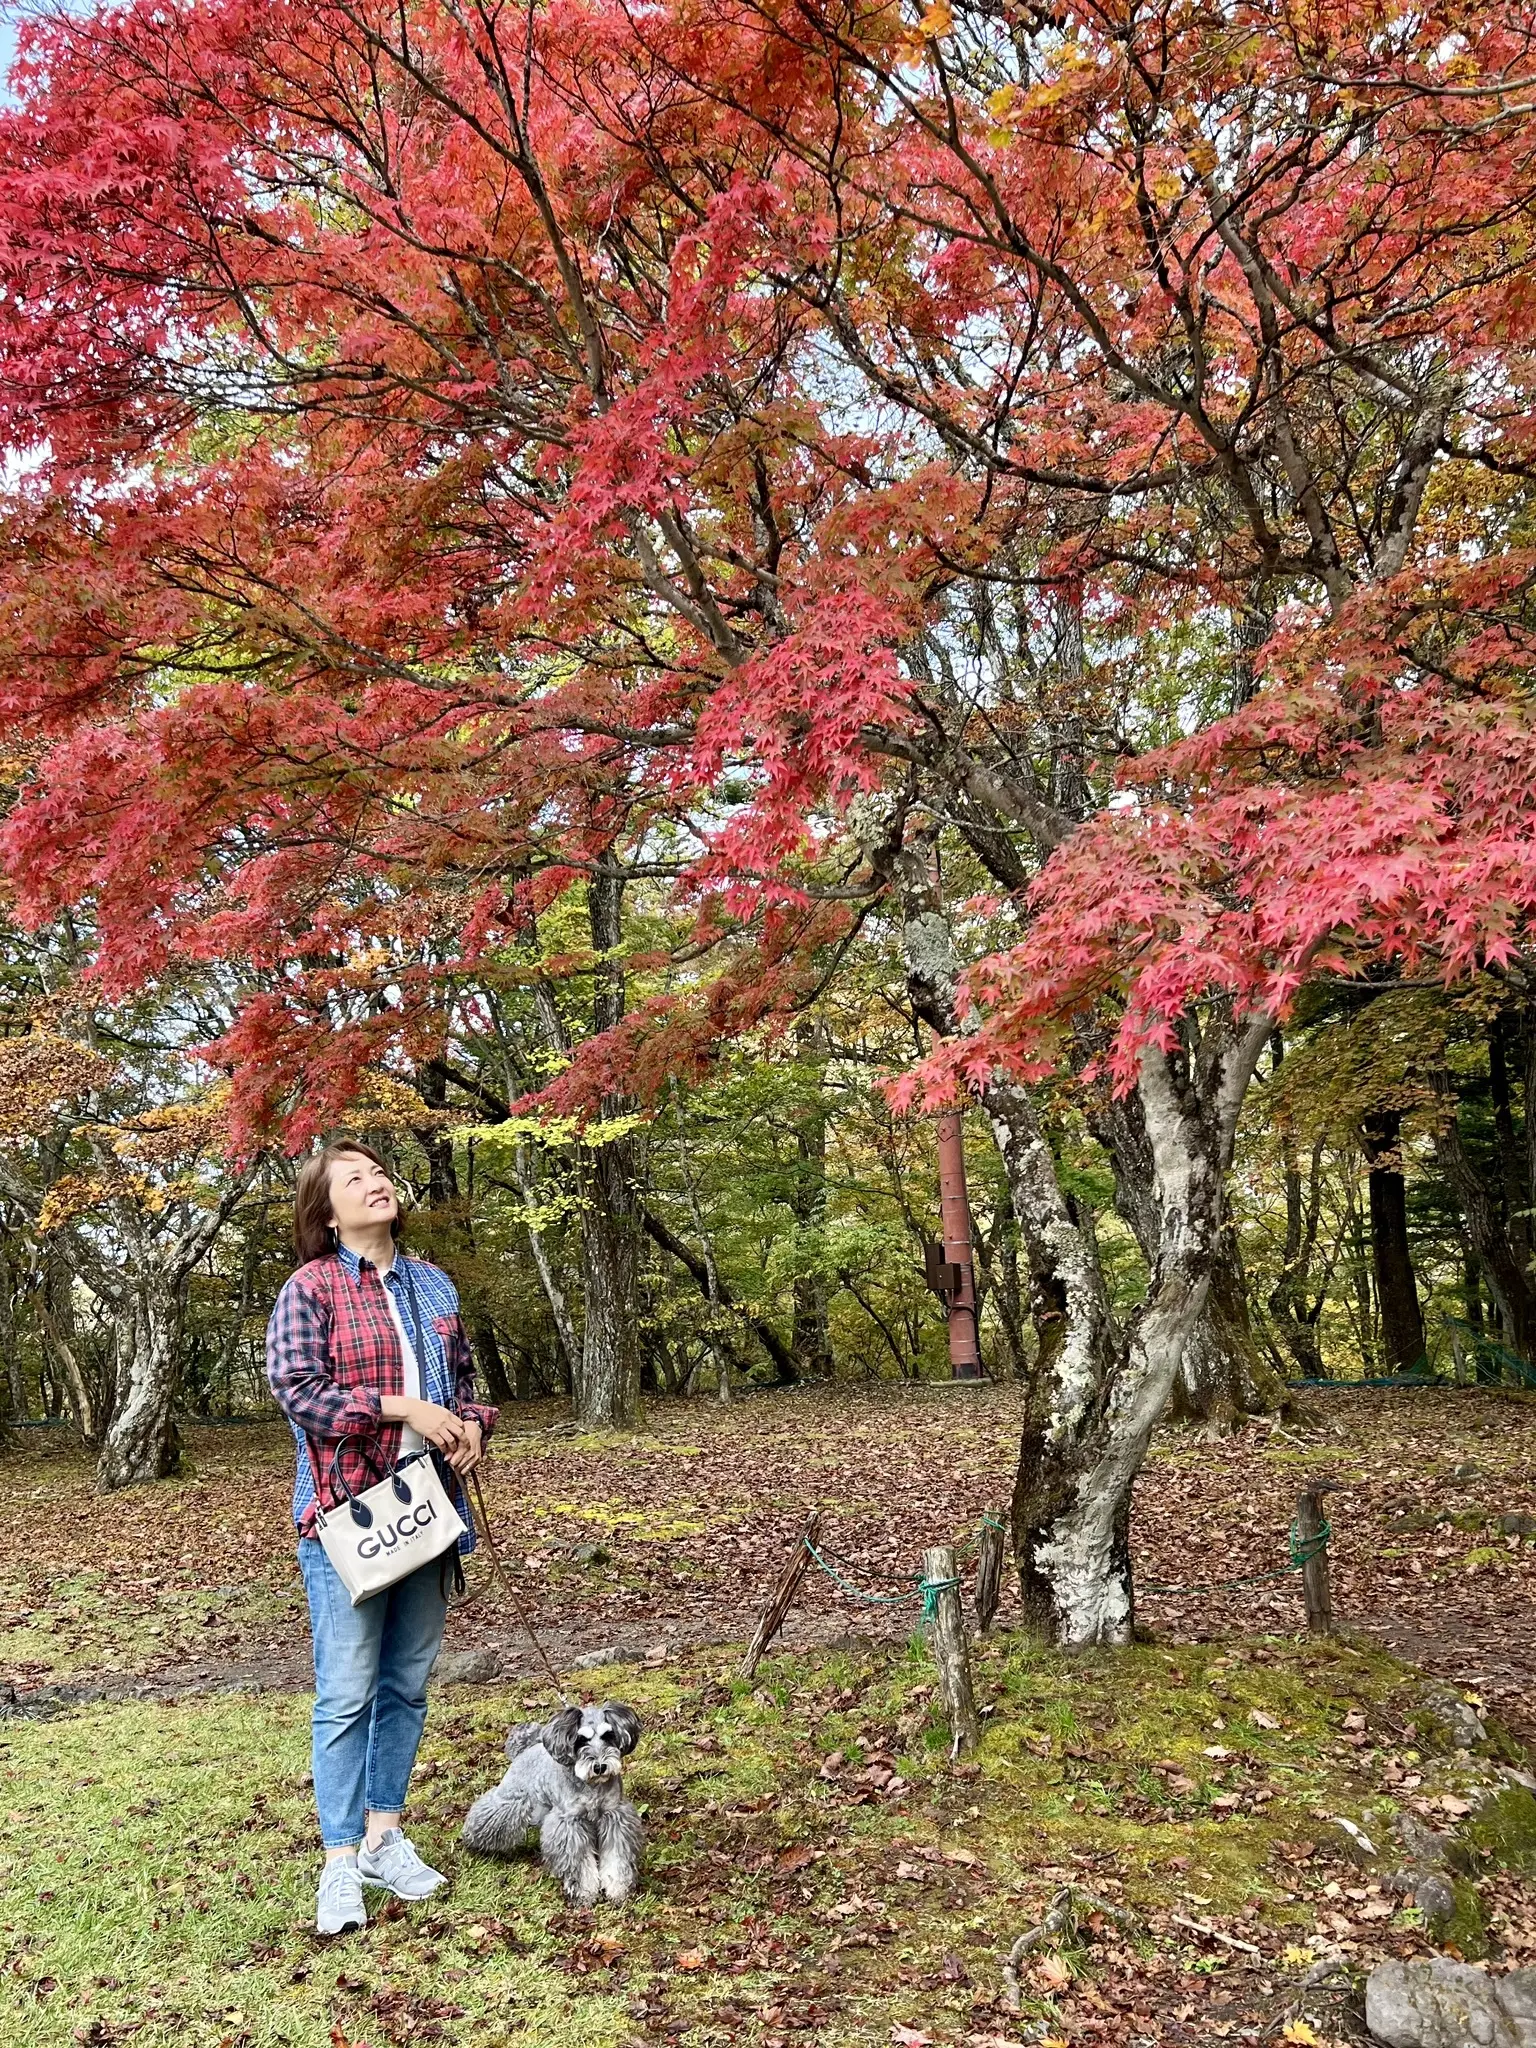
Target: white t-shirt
[(410, 1439)]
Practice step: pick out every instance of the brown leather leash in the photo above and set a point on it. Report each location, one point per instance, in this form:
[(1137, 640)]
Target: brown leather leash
[(502, 1576)]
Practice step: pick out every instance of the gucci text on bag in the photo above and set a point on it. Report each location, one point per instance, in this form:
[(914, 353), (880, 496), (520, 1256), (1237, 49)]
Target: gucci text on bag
[(390, 1530)]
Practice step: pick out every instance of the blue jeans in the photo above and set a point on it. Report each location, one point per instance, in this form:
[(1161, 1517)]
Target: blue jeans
[(371, 1665)]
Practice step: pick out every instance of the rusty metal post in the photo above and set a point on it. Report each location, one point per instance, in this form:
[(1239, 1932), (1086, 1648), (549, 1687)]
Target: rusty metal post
[(955, 1221)]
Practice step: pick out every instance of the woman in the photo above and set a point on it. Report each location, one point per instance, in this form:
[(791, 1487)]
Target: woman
[(368, 1358)]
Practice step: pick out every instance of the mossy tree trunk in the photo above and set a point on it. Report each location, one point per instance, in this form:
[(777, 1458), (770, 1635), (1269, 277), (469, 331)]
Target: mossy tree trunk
[(1099, 1385)]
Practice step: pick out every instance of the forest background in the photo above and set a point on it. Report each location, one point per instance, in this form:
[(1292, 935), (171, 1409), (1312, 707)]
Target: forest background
[(628, 604)]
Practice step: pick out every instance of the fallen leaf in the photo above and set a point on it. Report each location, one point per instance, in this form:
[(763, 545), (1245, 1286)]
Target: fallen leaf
[(796, 1857), (1054, 1972)]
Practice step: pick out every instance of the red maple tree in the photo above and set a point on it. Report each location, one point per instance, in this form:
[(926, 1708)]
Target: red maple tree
[(450, 447)]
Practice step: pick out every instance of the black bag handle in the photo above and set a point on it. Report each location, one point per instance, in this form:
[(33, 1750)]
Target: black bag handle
[(400, 1486)]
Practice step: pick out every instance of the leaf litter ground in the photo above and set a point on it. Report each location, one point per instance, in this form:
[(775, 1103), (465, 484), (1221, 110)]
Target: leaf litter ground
[(820, 1873)]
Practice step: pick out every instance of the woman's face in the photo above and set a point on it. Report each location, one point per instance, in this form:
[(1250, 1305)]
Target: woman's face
[(362, 1194)]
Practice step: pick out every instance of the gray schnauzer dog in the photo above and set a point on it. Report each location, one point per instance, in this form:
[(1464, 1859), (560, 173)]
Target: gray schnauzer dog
[(566, 1782)]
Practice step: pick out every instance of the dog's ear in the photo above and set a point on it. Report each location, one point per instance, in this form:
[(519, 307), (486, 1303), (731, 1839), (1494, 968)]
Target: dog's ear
[(624, 1722), (559, 1736)]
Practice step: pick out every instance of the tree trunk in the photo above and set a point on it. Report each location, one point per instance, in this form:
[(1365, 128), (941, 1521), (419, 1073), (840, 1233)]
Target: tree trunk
[(1088, 1423), (1508, 1285), (549, 1279), (998, 1283), (713, 1288), (1097, 1390), (56, 1316), (1224, 1375), (142, 1443), (810, 1340), (1397, 1293), (487, 1349), (606, 1389), (149, 1300), (1295, 1317), (15, 1378), (1503, 1041), (606, 1386), (1360, 1277)]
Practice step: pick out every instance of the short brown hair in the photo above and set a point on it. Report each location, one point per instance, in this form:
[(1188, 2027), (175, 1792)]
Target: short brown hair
[(312, 1228)]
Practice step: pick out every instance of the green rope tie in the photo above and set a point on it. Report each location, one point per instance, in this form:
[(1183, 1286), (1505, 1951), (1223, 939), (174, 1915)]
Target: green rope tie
[(973, 1543), (1305, 1548), (930, 1590)]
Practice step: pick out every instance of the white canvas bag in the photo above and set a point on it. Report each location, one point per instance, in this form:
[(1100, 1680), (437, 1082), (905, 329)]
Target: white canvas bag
[(387, 1532)]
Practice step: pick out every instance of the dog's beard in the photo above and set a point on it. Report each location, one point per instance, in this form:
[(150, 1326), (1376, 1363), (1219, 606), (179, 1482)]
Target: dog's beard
[(586, 1770)]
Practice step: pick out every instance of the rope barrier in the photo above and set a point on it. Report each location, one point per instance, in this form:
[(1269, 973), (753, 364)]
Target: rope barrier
[(1302, 1551), (926, 1590), (858, 1593)]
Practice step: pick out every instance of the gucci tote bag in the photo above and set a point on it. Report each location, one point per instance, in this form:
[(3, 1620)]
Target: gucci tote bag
[(385, 1533)]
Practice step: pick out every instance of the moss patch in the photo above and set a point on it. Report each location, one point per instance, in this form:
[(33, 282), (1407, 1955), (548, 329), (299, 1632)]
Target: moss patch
[(1503, 1829), (817, 1867)]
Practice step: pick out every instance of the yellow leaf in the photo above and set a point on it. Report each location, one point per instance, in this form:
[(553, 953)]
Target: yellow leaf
[(938, 21), (1299, 2032)]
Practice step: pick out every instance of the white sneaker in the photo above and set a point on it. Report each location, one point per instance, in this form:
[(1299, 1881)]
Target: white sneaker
[(339, 1908), (395, 1866)]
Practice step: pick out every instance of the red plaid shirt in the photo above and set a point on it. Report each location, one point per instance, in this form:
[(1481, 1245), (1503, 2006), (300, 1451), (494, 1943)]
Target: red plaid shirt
[(332, 1357)]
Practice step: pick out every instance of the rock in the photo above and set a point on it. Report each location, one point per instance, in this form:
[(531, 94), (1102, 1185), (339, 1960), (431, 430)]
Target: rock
[(1467, 1728), (592, 1553), (466, 1667), (44, 1701), (1420, 1840), (1517, 1993), (1326, 1974), (594, 1660), (1441, 2004), (1435, 1897), (1517, 1525)]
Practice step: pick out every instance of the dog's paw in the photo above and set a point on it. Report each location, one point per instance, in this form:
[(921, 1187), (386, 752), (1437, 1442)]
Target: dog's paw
[(617, 1889)]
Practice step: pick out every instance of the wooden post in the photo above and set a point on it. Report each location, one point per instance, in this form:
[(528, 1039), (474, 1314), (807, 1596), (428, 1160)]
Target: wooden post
[(1314, 1574), (783, 1593), (989, 1575), (950, 1653)]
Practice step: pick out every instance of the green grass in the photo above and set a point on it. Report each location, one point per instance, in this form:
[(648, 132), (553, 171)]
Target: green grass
[(159, 1860)]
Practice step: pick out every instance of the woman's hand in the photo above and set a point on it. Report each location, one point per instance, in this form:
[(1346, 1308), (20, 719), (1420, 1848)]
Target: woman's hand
[(466, 1456), (440, 1426)]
